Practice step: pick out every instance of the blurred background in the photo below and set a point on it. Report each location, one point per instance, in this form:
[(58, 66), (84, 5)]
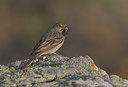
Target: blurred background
[(99, 28)]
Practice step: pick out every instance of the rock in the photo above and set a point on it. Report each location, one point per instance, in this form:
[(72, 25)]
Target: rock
[(57, 71)]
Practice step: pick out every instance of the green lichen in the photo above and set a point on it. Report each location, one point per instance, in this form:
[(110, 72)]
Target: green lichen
[(117, 81)]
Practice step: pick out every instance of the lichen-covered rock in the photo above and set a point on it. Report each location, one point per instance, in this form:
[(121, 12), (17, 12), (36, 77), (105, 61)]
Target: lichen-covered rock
[(57, 71)]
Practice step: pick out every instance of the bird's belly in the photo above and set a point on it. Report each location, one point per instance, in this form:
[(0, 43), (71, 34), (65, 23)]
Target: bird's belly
[(53, 50)]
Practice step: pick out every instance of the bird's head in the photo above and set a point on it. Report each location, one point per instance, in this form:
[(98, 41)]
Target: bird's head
[(61, 28)]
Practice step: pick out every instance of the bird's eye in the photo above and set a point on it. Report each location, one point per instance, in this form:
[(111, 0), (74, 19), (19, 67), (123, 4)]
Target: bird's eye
[(60, 26)]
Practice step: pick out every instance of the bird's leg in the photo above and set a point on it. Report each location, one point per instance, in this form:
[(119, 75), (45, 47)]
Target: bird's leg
[(55, 54)]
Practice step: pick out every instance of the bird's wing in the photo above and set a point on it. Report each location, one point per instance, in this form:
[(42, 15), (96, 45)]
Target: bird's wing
[(46, 43), (43, 47)]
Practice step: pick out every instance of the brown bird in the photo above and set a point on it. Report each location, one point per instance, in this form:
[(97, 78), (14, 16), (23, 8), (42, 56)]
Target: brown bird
[(49, 42)]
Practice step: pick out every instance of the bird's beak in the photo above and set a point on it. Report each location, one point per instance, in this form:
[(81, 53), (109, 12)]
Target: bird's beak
[(65, 32), (66, 28)]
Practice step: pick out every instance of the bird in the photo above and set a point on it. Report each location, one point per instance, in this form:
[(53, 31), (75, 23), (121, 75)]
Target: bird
[(49, 43)]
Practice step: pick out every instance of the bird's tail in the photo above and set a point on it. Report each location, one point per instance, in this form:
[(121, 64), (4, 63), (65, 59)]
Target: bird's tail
[(28, 63)]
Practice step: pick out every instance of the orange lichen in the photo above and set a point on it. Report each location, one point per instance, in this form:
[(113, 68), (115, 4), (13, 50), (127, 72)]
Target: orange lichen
[(25, 71), (54, 70), (62, 68), (54, 65), (12, 70), (94, 67), (59, 63)]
